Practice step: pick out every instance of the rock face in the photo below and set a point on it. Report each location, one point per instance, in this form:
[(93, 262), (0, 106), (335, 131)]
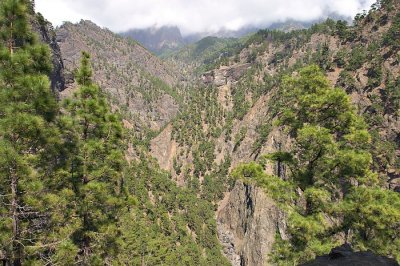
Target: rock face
[(46, 33), (345, 256), (247, 222), (137, 83), (222, 76), (164, 150)]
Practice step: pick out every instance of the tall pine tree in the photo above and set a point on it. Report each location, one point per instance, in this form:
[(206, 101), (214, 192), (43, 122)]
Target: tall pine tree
[(27, 134), (97, 170)]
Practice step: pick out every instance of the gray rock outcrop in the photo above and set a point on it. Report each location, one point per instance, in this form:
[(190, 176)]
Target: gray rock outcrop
[(46, 33), (248, 221), (220, 77)]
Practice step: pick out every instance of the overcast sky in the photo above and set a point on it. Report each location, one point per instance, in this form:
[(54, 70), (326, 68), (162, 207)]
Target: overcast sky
[(194, 15)]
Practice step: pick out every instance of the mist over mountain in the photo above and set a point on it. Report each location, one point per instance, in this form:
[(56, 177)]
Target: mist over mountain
[(164, 39), (158, 40), (221, 33)]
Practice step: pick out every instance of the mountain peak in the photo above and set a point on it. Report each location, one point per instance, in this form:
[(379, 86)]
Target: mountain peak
[(157, 39)]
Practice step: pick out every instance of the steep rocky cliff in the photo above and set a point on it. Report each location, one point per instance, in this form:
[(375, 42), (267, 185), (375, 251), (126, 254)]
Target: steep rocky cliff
[(248, 221), (46, 33), (137, 82)]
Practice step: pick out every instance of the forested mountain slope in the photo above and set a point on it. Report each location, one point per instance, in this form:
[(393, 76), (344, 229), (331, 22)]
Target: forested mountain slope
[(201, 55)]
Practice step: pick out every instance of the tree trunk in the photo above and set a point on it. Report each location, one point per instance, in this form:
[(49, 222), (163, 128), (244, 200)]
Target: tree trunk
[(11, 40), (16, 241)]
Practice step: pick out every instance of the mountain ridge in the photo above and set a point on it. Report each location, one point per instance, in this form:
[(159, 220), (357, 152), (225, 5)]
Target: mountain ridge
[(137, 81)]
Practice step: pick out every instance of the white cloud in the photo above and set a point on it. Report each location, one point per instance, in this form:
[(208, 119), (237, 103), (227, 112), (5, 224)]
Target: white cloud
[(58, 11), (194, 15)]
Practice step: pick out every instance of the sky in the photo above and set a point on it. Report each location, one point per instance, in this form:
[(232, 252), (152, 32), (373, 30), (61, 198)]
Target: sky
[(193, 16)]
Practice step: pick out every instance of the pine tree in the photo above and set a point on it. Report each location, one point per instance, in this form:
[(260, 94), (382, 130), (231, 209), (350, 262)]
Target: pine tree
[(97, 169), (27, 134), (331, 140), (330, 154), (330, 164)]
